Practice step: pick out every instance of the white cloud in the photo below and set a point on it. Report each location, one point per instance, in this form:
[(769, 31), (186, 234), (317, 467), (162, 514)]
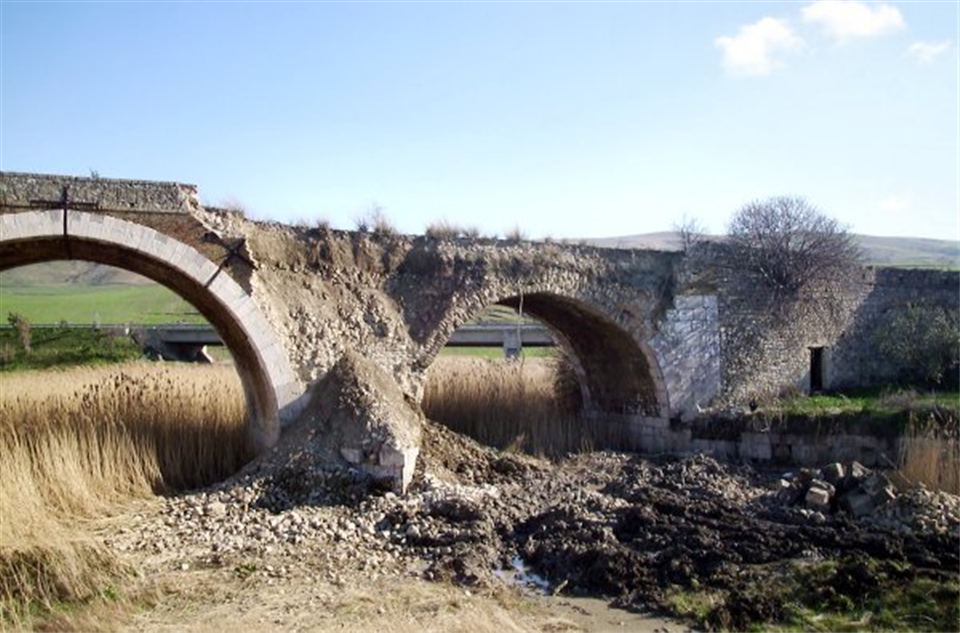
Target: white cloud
[(927, 52), (847, 19), (894, 204), (751, 51)]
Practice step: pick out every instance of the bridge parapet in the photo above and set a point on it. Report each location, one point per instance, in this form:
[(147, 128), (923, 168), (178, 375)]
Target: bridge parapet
[(20, 191)]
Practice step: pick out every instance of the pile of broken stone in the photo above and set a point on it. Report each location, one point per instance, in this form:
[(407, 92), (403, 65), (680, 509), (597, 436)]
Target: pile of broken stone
[(869, 496)]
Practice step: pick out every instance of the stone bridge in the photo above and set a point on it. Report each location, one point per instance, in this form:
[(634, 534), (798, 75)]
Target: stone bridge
[(290, 301), (653, 335)]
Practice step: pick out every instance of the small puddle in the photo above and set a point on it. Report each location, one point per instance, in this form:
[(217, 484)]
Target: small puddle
[(520, 574), (591, 615)]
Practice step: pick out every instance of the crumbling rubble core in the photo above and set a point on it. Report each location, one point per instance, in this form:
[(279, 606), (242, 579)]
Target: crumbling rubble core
[(356, 415)]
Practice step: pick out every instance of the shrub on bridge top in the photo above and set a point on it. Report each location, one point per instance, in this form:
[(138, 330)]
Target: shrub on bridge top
[(375, 221), (444, 229), (786, 246)]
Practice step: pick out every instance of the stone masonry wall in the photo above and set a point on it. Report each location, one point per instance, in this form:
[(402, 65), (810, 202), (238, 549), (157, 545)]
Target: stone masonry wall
[(855, 359), (110, 194), (764, 352), (688, 346)]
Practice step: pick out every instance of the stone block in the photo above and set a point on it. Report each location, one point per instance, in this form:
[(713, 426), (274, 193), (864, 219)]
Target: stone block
[(856, 503), (823, 485), (875, 483), (833, 473), (883, 496), (756, 446), (782, 452), (856, 474), (818, 499), (788, 493)]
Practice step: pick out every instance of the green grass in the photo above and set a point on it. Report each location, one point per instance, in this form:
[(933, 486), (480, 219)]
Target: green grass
[(55, 347), (497, 352), (874, 400), (860, 594), (852, 593), (145, 304)]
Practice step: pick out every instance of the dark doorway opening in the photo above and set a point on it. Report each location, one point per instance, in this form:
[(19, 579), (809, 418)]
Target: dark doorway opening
[(816, 369)]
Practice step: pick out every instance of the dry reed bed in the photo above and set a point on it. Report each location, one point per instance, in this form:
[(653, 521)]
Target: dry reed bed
[(930, 454), (75, 442), (527, 406)]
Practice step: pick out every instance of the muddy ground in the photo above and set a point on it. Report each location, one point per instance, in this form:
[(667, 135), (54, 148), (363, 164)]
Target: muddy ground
[(628, 528)]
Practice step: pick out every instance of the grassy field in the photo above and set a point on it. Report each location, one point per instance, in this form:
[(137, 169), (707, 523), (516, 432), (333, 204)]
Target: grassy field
[(97, 304), (497, 352)]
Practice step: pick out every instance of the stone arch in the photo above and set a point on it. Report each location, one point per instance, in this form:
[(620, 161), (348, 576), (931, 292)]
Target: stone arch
[(268, 382), (620, 373)]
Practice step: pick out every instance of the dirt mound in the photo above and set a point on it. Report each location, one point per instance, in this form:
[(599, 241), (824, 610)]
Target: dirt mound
[(456, 458)]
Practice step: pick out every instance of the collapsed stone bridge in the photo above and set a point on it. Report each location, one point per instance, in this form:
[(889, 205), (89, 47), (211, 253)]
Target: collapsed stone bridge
[(289, 302), (321, 321)]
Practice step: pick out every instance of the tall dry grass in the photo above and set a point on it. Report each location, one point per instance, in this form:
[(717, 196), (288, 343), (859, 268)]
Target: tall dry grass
[(525, 406), (930, 454), (73, 443)]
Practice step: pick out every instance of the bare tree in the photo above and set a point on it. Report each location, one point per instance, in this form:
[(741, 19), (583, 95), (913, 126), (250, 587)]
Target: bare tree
[(788, 245), (691, 232)]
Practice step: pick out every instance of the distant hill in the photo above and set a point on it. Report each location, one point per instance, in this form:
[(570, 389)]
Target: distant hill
[(914, 252), (69, 272), (902, 252)]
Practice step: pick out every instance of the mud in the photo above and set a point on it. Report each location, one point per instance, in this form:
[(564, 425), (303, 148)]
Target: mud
[(628, 528)]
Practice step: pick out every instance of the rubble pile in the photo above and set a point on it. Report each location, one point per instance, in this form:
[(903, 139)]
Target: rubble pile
[(921, 510), (624, 526), (851, 488)]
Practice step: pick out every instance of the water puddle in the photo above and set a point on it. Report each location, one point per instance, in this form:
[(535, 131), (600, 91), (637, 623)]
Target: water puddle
[(520, 575), (584, 613)]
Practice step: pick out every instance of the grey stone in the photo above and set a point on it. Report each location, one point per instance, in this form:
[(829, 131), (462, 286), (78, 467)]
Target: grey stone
[(833, 473), (856, 503), (818, 498)]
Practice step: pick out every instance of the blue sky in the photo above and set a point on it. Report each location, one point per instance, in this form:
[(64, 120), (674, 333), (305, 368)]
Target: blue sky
[(565, 119)]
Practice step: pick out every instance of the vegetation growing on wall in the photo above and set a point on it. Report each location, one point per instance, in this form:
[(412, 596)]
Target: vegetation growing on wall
[(924, 340)]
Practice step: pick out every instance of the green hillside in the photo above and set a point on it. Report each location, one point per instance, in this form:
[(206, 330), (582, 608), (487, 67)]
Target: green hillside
[(78, 303), (911, 252)]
